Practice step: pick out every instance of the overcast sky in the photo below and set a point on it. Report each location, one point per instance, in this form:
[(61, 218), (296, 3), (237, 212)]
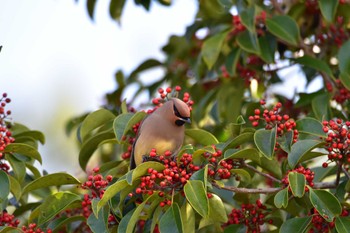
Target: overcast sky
[(56, 63)]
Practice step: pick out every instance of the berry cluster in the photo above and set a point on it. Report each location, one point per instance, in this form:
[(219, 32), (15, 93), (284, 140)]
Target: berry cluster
[(337, 141), (259, 24), (164, 94), (319, 224), (173, 177), (309, 176), (5, 134), (341, 94), (32, 228), (220, 169), (336, 33), (273, 118), (251, 215), (7, 219), (96, 184)]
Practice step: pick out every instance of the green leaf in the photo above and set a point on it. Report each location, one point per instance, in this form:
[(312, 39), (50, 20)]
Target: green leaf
[(231, 61), (136, 215), (111, 191), (99, 224), (236, 228), (56, 224), (201, 136), (197, 196), (10, 229), (89, 147), (243, 175), (297, 183), (239, 140), (300, 149), (248, 18), (90, 4), (212, 47), (23, 149), (286, 141), (284, 27), (295, 225), (124, 122), (146, 65), (248, 41), (281, 198), (54, 204), (265, 140), (217, 210), (141, 169), (249, 153), (328, 9), (18, 167), (171, 220), (325, 203), (344, 64), (15, 187), (36, 135), (188, 218), (4, 186), (116, 9), (95, 120), (342, 224), (316, 64), (267, 46), (54, 179), (320, 107), (311, 126), (201, 175)]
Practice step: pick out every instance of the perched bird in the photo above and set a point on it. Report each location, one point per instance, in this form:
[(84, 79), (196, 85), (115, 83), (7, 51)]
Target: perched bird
[(162, 130)]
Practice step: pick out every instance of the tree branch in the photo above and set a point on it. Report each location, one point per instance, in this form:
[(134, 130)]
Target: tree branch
[(324, 185), (259, 172), (248, 190)]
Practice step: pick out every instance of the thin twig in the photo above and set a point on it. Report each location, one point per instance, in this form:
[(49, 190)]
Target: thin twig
[(248, 190), (324, 185), (346, 173), (340, 165), (260, 173)]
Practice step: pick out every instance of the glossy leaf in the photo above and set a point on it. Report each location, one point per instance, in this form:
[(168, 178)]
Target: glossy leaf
[(248, 18), (286, 141), (212, 47), (15, 187), (239, 140), (95, 120), (171, 220), (18, 167), (316, 64), (188, 217), (197, 196), (99, 224), (111, 191), (284, 27), (136, 215), (57, 224), (54, 179), (342, 224), (281, 198), (25, 150), (311, 126), (320, 107), (300, 149), (217, 211), (201, 175), (141, 170), (248, 41), (89, 147), (328, 9), (267, 46), (124, 122), (265, 140), (4, 186), (297, 183), (231, 61), (54, 204), (90, 4), (325, 203), (116, 9), (125, 221), (201, 136), (295, 225), (34, 134), (249, 153), (344, 64)]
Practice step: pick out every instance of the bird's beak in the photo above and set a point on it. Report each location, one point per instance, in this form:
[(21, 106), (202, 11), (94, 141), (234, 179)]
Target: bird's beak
[(186, 120)]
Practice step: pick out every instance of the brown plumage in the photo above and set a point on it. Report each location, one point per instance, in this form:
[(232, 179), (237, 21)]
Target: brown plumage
[(162, 130)]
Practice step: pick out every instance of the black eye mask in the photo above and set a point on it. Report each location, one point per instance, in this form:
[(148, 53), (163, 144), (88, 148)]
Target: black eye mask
[(182, 119)]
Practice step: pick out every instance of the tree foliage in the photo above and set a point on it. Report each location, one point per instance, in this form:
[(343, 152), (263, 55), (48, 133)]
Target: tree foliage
[(254, 159)]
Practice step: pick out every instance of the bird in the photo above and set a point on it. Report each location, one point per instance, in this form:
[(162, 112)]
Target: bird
[(162, 130)]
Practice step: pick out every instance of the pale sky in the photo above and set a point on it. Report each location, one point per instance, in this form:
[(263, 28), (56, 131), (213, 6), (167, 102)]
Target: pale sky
[(56, 63)]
